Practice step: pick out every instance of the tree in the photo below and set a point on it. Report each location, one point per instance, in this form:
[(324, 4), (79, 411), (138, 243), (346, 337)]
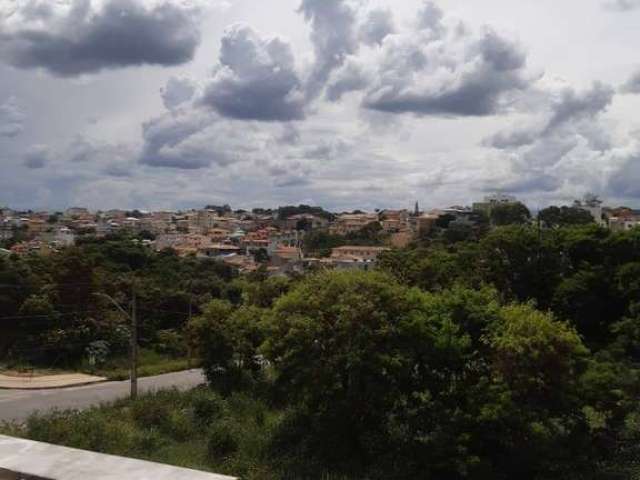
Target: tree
[(520, 263), (227, 342), (261, 255), (420, 385), (510, 214), (263, 293), (443, 221), (333, 341), (587, 300), (554, 217)]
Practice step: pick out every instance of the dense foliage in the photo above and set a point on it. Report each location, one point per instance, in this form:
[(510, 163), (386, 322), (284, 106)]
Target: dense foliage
[(510, 214), (513, 353), (52, 308), (197, 429)]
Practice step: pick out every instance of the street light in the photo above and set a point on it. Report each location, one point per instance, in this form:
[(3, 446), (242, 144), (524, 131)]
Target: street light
[(133, 341)]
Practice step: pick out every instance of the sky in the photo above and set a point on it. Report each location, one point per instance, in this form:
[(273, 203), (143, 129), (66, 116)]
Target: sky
[(174, 104)]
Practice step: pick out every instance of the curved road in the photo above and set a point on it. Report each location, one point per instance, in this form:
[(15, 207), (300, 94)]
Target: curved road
[(17, 405)]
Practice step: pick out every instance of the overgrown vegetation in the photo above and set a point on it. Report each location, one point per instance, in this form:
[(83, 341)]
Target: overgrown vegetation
[(196, 429)]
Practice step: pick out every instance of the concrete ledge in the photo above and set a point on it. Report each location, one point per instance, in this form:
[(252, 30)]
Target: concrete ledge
[(9, 382), (31, 459)]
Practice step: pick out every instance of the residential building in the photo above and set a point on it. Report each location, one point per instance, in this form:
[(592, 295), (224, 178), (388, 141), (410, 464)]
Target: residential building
[(352, 222)]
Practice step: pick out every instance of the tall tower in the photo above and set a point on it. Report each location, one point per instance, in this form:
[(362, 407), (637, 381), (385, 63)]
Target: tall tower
[(416, 210)]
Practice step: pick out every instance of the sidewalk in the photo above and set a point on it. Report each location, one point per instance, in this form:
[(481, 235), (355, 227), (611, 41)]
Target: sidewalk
[(47, 381)]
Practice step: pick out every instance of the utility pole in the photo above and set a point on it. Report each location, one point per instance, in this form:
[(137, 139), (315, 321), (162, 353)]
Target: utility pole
[(134, 345), (133, 339)]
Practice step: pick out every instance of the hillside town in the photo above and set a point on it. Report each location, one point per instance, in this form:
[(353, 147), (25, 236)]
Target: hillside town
[(278, 239)]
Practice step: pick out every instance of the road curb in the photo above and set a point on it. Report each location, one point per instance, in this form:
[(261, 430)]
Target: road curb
[(55, 387), (39, 386)]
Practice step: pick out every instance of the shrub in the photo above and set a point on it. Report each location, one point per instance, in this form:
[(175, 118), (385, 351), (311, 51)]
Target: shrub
[(207, 406), (149, 413), (171, 343), (222, 442)]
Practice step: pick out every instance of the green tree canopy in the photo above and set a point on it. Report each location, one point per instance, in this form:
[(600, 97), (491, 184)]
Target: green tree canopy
[(553, 216), (510, 214)]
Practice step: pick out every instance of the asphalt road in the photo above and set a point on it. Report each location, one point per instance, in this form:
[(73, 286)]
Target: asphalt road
[(17, 405)]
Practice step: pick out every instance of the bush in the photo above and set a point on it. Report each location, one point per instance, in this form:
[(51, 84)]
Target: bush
[(171, 342), (227, 340), (207, 406), (222, 442), (149, 413)]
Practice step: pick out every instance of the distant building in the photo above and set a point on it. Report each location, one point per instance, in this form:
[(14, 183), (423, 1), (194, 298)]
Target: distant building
[(354, 257), (425, 223), (217, 250), (352, 222), (64, 237), (283, 255), (622, 218), (311, 222), (76, 212), (592, 204), (492, 201)]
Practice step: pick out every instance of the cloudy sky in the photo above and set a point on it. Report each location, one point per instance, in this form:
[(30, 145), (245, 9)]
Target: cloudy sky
[(343, 103)]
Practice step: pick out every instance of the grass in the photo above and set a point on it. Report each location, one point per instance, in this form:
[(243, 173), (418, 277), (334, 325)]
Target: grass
[(150, 363), (195, 429)]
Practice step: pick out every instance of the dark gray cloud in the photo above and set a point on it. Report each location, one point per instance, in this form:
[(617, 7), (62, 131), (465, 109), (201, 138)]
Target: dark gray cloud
[(633, 84), (621, 5), (349, 78), (334, 36), (430, 17), (291, 180), (80, 38), (478, 84), (548, 150), (166, 142), (375, 27), (12, 118), (179, 90), (571, 115), (38, 156), (290, 134), (625, 180), (256, 78), (575, 106), (511, 139), (113, 160), (326, 150), (570, 129), (191, 139), (528, 182)]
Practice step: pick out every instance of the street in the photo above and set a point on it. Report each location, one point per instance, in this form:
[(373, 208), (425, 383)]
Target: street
[(17, 405)]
